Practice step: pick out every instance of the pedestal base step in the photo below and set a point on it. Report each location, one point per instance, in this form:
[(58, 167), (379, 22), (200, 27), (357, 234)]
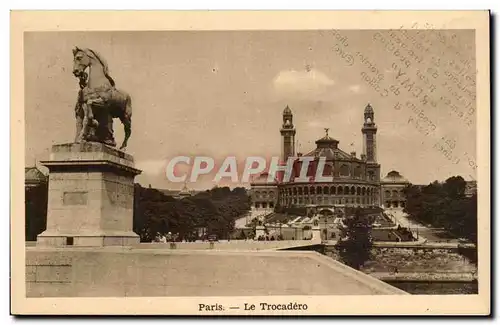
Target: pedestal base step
[(87, 240)]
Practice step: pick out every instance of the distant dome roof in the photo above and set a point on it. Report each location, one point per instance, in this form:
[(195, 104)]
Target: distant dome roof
[(33, 175), (262, 179), (287, 111), (394, 177), (368, 109)]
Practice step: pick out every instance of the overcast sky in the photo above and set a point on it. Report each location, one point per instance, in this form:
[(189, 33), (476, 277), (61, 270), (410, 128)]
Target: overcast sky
[(223, 93)]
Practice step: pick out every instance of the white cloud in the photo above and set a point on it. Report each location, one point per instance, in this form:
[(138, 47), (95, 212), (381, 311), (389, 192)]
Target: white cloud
[(355, 88), (151, 166), (314, 124), (301, 84)]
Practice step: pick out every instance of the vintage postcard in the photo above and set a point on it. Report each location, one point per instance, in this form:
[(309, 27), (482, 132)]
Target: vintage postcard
[(250, 163)]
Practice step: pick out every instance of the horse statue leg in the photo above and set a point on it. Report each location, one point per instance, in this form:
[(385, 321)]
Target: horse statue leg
[(126, 119), (79, 115), (87, 122)]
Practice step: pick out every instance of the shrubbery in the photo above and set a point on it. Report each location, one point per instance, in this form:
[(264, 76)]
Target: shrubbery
[(215, 210), (35, 210), (444, 205)]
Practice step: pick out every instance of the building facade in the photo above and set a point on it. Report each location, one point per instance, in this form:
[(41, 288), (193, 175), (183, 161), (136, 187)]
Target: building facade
[(264, 194), (393, 190), (355, 180)]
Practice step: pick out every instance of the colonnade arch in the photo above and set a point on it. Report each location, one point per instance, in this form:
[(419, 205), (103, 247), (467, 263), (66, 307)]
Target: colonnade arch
[(329, 194)]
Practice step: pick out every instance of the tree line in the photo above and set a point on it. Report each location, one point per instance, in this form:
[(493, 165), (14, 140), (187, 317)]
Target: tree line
[(444, 205), (214, 210), (35, 204)]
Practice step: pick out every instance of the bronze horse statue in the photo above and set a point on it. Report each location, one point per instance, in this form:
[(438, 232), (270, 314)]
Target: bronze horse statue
[(99, 101)]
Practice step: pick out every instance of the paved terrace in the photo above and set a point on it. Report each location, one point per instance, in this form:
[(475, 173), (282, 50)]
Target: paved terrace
[(233, 245), (236, 244), (419, 230), (120, 271), (420, 244)]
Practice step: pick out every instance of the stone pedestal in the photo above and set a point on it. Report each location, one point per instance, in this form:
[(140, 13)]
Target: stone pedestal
[(91, 196), (316, 233)]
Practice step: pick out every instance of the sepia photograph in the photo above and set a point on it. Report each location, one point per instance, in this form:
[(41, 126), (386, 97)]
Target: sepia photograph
[(253, 170)]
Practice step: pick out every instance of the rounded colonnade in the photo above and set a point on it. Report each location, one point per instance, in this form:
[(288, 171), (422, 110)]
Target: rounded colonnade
[(329, 194)]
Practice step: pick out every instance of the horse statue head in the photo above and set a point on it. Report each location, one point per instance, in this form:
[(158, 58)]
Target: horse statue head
[(84, 58)]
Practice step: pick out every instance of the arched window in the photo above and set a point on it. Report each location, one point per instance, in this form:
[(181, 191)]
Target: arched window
[(340, 190), (313, 191), (344, 170), (325, 190), (328, 169), (357, 172), (371, 175), (306, 191), (319, 190), (300, 190), (353, 190), (332, 190), (294, 191), (394, 193), (346, 190), (363, 191), (387, 193)]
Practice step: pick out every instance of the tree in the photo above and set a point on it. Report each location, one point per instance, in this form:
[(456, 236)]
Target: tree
[(35, 203), (444, 205), (355, 243), (215, 210), (454, 187)]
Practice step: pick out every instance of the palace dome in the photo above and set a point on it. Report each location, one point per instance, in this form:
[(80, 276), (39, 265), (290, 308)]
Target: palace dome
[(328, 147), (394, 177)]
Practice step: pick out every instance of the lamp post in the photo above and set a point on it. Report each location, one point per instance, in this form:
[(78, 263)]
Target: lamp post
[(326, 227)]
